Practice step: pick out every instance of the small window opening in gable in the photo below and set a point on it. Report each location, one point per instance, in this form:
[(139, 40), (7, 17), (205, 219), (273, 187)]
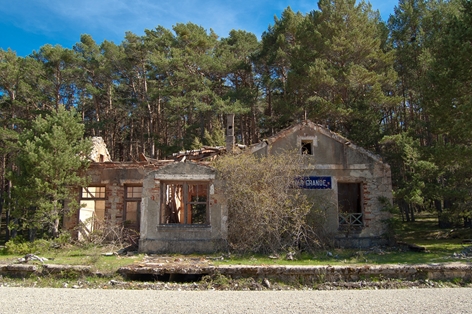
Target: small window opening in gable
[(350, 204), (185, 203), (307, 147)]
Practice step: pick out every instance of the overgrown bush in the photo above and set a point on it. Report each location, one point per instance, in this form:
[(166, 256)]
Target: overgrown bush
[(19, 246), (268, 212)]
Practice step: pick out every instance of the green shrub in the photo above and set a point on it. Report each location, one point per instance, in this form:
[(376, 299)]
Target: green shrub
[(21, 247), (63, 239)]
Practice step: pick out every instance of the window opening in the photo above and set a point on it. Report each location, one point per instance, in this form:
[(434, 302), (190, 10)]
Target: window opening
[(350, 204), (93, 192), (92, 211), (185, 203), (134, 192), (132, 208), (307, 147)]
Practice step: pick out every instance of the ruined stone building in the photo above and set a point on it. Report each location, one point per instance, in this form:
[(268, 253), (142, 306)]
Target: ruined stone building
[(178, 206), (349, 183)]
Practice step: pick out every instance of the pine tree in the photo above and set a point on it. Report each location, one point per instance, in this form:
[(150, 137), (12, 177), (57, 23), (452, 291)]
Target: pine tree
[(51, 163), (55, 82), (448, 104), (241, 94), (275, 62), (349, 71)]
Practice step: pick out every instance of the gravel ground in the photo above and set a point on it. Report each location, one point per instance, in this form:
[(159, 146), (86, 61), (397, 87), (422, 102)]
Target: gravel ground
[(48, 300)]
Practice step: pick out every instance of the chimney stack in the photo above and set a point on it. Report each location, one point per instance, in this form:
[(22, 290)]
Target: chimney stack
[(230, 133)]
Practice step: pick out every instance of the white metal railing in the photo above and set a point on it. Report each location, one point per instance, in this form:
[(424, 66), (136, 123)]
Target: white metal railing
[(351, 219)]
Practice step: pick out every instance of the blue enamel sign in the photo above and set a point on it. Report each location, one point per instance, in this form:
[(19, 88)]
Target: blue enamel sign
[(314, 183)]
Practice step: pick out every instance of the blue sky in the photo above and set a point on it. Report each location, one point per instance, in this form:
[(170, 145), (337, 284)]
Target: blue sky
[(26, 25)]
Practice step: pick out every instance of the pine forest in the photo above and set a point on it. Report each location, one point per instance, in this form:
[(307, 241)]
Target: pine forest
[(401, 88)]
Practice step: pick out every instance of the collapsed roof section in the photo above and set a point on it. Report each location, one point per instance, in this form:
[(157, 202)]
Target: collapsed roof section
[(208, 153), (205, 153), (100, 154)]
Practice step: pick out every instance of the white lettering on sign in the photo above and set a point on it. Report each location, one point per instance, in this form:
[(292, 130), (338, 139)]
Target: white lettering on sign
[(314, 182), (321, 183)]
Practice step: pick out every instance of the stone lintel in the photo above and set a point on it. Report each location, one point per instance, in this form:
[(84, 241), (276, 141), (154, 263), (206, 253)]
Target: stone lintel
[(184, 177)]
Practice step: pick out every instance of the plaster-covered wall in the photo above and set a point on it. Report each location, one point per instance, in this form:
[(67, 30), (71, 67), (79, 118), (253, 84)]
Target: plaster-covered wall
[(344, 162), (99, 151), (157, 237)]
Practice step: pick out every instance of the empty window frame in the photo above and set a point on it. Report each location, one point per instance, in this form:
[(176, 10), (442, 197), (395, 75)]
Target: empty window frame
[(307, 147), (93, 192), (185, 203), (92, 211), (350, 204), (132, 208)]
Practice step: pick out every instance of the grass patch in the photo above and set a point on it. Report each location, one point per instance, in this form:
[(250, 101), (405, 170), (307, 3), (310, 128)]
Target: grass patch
[(76, 255), (94, 258), (440, 245), (354, 257), (82, 282)]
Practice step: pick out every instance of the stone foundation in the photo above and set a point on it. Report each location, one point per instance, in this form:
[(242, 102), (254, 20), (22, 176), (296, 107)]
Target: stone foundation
[(315, 274)]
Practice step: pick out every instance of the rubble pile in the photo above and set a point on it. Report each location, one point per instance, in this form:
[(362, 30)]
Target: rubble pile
[(465, 253)]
